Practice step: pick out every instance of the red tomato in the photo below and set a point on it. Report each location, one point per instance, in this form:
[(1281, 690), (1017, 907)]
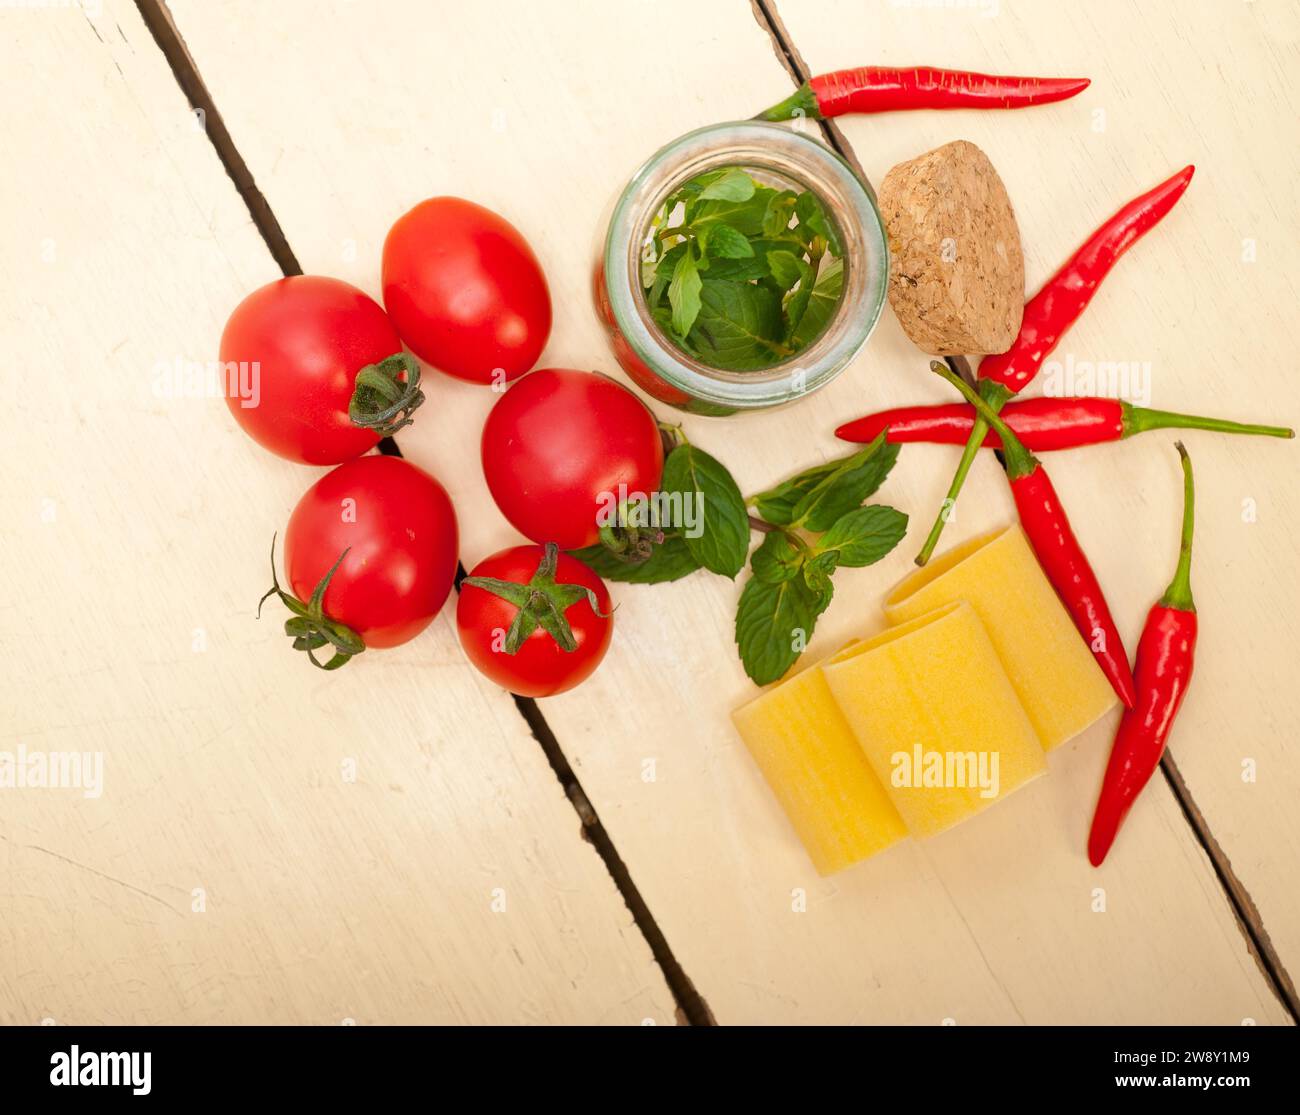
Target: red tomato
[(465, 290), (303, 339), (398, 526), (557, 447), (540, 667)]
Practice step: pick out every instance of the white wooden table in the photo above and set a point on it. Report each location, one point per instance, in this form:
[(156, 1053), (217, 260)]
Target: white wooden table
[(393, 843)]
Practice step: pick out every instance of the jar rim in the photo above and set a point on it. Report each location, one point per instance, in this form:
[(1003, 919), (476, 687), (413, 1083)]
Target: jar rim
[(781, 150)]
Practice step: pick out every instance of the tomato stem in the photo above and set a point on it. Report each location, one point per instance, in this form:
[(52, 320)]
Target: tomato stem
[(540, 603), (309, 627), (386, 394)]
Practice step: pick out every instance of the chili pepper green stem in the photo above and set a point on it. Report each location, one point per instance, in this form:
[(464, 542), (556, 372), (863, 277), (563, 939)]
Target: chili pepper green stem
[(801, 103), (997, 395), (1138, 420), (1179, 593), (1020, 462)]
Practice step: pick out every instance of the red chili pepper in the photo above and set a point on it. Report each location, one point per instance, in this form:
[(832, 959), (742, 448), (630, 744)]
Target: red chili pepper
[(1042, 424), (889, 88), (1058, 551), (1164, 670), (1051, 312)]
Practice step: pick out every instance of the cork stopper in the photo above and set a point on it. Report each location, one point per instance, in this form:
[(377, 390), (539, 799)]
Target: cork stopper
[(957, 274)]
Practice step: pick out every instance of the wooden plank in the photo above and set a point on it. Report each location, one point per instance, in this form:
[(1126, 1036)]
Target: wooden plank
[(271, 845), (541, 111), (1207, 302)]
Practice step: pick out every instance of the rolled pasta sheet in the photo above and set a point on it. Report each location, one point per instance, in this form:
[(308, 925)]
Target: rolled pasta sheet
[(813, 764), (1052, 669), (937, 717)]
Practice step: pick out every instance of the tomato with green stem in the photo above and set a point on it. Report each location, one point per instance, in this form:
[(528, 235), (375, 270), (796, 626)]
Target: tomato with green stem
[(370, 555), (313, 370), (535, 621)]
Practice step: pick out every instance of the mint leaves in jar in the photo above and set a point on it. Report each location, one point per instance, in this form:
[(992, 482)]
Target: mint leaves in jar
[(741, 275)]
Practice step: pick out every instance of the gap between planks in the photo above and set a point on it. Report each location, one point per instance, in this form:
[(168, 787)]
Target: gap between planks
[(691, 1007), (1243, 906)]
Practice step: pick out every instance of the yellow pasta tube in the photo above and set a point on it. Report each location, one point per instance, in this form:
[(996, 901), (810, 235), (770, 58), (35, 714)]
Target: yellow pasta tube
[(1054, 673), (937, 717), (810, 759)]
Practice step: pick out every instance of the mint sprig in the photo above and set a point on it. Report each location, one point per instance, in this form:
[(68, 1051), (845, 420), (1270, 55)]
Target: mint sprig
[(812, 525), (816, 524)]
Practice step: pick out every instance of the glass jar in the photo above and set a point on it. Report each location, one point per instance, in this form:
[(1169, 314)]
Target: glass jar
[(774, 155)]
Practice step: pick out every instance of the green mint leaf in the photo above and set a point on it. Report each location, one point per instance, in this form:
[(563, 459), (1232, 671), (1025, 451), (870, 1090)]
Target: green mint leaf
[(744, 216), (817, 576), (737, 326), (774, 623), (855, 478), (788, 271), (751, 267), (777, 505), (728, 243), (664, 271), (815, 222), (668, 561), (684, 294), (688, 194), (734, 185), (796, 305), (825, 296), (738, 270), (722, 544), (779, 212), (786, 268), (696, 185), (777, 559), (864, 536)]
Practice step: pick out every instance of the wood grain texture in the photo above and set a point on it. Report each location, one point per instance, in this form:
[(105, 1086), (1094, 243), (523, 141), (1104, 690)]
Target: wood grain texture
[(349, 114), (1206, 302), (448, 880)]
